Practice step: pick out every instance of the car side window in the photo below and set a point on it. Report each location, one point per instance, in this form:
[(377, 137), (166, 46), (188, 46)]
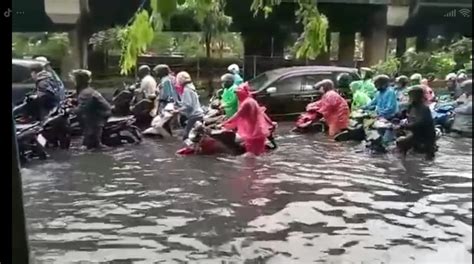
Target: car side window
[(310, 80), (288, 85), (21, 74)]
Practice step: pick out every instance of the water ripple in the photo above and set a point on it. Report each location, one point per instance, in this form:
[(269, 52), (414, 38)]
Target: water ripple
[(310, 201)]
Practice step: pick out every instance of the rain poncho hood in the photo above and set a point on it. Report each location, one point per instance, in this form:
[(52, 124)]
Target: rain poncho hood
[(251, 122), (229, 101), (238, 80), (359, 97), (335, 111), (385, 103), (368, 87)]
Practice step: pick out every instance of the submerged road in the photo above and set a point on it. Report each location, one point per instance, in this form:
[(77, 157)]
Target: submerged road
[(310, 201)]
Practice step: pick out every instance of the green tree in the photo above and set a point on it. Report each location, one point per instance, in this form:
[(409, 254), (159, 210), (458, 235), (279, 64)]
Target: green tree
[(52, 45), (312, 41), (211, 18)]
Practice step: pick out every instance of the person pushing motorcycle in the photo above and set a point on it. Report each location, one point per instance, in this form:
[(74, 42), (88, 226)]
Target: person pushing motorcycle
[(93, 110)]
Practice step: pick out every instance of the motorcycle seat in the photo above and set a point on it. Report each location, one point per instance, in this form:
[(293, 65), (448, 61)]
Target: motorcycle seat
[(23, 127), (117, 119)]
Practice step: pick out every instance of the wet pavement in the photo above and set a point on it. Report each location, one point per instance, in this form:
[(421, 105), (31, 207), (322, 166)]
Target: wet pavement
[(310, 201)]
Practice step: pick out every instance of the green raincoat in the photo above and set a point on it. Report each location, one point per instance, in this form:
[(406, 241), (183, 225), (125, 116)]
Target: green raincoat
[(359, 97), (229, 101), (368, 87)]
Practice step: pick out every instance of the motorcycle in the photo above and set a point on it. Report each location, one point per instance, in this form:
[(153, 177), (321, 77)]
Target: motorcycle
[(31, 144), (161, 124), (204, 140), (128, 100), (121, 130), (310, 121), (443, 115), (57, 129)]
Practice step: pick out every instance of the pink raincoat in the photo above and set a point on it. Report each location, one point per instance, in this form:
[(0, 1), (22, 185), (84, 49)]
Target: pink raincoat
[(335, 111), (251, 122)]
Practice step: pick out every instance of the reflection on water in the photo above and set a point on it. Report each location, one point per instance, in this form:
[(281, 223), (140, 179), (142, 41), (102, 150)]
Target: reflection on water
[(311, 201)]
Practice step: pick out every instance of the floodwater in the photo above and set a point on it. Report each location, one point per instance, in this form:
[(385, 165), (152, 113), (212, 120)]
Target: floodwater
[(310, 201)]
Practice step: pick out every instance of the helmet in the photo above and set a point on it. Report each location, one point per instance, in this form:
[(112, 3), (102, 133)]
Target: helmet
[(381, 81), (326, 84), (81, 77), (183, 77), (416, 77), (461, 77), (144, 70), (343, 80), (161, 70), (367, 73), (227, 80), (466, 86), (42, 58), (402, 80), (451, 77), (417, 93), (233, 68)]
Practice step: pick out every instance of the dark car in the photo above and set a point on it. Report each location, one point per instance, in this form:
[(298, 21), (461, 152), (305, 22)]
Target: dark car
[(285, 92), (22, 83)]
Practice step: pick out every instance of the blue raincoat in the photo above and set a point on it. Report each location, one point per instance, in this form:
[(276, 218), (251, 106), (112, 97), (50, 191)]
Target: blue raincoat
[(385, 103)]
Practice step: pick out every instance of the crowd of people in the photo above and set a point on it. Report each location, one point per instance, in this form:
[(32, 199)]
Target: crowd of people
[(405, 97)]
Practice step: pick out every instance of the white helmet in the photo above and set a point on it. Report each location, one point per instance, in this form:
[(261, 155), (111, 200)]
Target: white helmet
[(234, 68), (462, 77), (42, 58), (416, 77), (451, 77)]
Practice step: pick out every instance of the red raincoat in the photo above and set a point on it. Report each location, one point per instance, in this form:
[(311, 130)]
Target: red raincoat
[(335, 111), (251, 122)]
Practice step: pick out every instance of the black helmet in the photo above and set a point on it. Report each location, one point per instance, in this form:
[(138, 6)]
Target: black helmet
[(367, 73), (402, 80), (416, 93), (343, 80), (161, 70), (81, 77), (143, 71), (381, 81), (227, 80)]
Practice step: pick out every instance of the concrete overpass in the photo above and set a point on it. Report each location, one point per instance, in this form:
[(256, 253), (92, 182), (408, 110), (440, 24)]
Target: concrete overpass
[(377, 20)]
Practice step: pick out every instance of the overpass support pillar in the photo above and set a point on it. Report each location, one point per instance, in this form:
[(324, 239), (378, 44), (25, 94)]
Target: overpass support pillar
[(375, 39), (346, 50), (401, 45)]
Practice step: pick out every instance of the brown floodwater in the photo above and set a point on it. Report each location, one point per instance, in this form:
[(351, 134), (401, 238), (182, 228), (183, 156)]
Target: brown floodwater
[(310, 201)]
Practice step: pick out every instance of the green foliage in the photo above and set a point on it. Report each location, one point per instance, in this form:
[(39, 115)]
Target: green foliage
[(108, 40), (312, 41), (441, 63), (211, 18), (462, 50), (136, 39), (52, 45), (389, 67)]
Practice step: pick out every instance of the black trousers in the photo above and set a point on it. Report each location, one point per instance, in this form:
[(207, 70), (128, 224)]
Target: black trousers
[(92, 135)]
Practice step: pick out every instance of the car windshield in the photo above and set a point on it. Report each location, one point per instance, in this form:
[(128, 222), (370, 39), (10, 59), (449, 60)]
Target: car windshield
[(22, 74), (257, 82)]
